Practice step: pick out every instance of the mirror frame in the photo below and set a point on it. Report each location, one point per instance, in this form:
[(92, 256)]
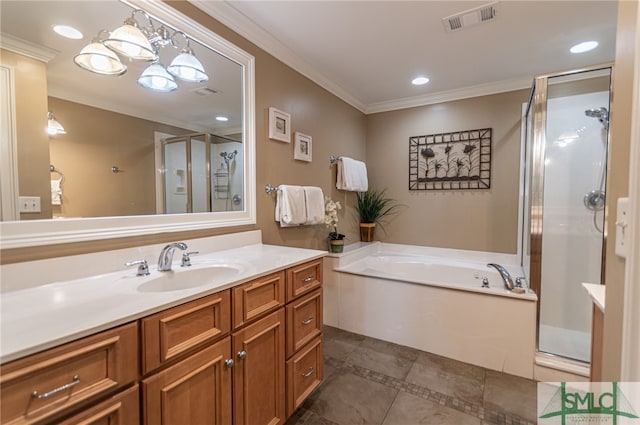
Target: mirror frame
[(26, 233)]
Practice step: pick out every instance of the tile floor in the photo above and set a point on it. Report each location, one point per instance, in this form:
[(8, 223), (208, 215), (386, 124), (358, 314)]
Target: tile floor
[(368, 381)]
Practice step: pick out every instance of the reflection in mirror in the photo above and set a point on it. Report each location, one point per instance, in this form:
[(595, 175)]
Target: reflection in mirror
[(111, 120), (120, 154)]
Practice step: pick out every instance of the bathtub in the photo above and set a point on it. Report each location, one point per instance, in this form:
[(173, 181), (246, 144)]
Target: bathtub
[(432, 299)]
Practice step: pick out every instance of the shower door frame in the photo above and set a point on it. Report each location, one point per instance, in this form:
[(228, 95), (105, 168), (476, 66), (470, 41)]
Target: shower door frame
[(187, 139), (538, 101)]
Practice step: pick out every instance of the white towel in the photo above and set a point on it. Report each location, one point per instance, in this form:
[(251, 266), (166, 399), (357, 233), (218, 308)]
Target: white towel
[(290, 206), (56, 192), (352, 175), (314, 199)]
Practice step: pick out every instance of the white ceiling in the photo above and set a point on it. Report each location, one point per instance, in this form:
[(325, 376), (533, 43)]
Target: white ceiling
[(366, 52)]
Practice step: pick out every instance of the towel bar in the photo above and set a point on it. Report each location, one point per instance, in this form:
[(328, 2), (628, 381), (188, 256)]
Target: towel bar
[(269, 188), (334, 159)]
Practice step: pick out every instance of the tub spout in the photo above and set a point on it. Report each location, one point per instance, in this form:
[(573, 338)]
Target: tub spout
[(506, 277)]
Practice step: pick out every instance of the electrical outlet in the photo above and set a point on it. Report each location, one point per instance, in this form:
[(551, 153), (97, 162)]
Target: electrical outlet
[(29, 204)]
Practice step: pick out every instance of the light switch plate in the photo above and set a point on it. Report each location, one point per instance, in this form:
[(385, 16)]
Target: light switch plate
[(29, 204), (622, 231)]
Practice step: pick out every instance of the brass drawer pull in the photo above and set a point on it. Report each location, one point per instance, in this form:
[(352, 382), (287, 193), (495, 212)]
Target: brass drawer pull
[(308, 279), (309, 320), (309, 372), (76, 381)]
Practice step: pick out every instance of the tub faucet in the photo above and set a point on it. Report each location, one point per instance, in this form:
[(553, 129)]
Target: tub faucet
[(506, 277), (166, 255)]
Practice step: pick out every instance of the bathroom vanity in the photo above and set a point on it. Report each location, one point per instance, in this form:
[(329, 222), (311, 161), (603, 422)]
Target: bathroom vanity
[(245, 349)]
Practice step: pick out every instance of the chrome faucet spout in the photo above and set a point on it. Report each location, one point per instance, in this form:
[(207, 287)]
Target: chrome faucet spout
[(506, 277), (166, 255)]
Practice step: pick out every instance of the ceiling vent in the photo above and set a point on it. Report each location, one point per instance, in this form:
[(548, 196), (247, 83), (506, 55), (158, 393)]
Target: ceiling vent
[(471, 17), (204, 91)]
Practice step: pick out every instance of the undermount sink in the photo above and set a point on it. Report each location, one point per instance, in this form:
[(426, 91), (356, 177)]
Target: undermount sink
[(177, 280)]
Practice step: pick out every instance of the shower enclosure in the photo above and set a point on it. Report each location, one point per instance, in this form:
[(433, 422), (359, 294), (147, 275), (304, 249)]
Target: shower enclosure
[(566, 137), (202, 172)]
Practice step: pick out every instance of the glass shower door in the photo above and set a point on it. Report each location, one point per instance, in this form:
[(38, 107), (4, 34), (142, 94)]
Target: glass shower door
[(573, 191)]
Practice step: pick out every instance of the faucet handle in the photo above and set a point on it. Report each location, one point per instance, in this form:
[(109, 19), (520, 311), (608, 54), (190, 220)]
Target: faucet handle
[(519, 281), (186, 258), (143, 267), (485, 282)]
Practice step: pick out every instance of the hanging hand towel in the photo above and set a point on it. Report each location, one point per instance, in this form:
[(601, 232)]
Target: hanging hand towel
[(56, 192), (314, 199), (352, 175), (290, 206)]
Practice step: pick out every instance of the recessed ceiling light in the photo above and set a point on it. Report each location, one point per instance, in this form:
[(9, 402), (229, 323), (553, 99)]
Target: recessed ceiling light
[(68, 32), (584, 47), (419, 81), (221, 118)]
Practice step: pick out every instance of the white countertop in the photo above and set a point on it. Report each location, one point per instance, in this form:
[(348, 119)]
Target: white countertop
[(597, 293), (42, 317)]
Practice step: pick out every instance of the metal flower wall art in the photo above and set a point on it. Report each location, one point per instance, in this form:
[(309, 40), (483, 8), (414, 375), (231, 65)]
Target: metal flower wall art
[(457, 160)]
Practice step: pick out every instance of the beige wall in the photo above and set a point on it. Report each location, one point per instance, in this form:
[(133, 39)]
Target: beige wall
[(97, 140), (485, 220), (618, 183), (30, 80)]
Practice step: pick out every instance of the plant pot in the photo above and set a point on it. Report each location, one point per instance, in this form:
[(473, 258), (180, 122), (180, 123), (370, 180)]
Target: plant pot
[(336, 245), (366, 231)]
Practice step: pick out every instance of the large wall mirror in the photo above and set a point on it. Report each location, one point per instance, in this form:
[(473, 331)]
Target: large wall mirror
[(160, 143)]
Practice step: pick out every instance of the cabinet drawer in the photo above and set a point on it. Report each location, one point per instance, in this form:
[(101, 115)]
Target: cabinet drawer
[(303, 278), (304, 374), (257, 297), (121, 409), (173, 332), (45, 384), (304, 320)]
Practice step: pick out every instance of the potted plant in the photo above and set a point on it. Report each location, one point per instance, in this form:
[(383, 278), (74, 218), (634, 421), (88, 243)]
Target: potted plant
[(372, 207), (336, 240)]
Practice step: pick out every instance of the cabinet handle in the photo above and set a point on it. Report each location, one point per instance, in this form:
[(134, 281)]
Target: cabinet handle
[(309, 372), (309, 320), (242, 354), (228, 363), (76, 381), (308, 279)]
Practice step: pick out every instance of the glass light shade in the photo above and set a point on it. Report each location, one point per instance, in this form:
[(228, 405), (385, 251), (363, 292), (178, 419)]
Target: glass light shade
[(155, 77), (53, 126), (129, 41), (97, 58), (188, 68)]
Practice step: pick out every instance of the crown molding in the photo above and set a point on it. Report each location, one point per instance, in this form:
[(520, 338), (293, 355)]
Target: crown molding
[(241, 24), (449, 95), (26, 48)]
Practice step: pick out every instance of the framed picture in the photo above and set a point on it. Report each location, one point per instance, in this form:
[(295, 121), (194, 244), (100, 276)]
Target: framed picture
[(302, 147), (279, 125)]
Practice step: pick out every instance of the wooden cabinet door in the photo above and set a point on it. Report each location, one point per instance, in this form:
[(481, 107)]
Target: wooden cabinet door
[(195, 391), (259, 372)]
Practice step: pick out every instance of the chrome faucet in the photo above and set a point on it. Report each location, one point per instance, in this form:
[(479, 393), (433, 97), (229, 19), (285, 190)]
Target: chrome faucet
[(506, 277), (166, 255)]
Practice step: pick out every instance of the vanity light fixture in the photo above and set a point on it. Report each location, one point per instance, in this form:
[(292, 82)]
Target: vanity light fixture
[(128, 40), (584, 47), (95, 57), (53, 126), (187, 67), (419, 81), (156, 78), (143, 42), (222, 118)]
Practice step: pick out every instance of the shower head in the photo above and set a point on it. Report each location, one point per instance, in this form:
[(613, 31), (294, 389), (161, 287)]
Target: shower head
[(601, 114)]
